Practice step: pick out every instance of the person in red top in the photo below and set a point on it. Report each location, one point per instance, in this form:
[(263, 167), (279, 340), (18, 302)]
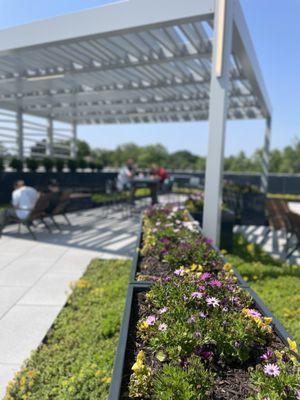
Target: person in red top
[(159, 172)]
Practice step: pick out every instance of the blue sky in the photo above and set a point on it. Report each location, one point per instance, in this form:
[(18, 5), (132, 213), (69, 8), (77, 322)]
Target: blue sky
[(275, 30)]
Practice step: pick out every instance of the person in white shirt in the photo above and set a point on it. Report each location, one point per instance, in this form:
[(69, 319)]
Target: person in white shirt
[(125, 176), (24, 199)]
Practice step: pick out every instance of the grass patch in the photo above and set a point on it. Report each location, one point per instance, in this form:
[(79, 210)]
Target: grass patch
[(125, 195), (76, 360), (276, 283)]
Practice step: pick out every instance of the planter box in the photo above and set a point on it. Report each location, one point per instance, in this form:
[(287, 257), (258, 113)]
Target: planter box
[(125, 358), (227, 223)]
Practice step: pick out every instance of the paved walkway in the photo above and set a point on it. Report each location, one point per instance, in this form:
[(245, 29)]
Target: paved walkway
[(35, 276)]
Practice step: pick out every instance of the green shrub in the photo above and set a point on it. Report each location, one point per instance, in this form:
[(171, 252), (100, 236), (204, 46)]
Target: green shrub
[(32, 164), (82, 164), (75, 362), (59, 164), (275, 282), (16, 164), (72, 165), (48, 164), (99, 166)]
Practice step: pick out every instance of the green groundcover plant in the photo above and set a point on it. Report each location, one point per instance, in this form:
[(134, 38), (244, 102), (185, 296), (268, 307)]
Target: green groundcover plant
[(76, 359), (276, 282)]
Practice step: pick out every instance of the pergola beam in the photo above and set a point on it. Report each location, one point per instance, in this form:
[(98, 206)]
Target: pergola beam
[(20, 134), (242, 44), (223, 24), (104, 20)]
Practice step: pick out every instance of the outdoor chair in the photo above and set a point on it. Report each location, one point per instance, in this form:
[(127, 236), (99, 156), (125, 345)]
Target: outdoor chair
[(277, 212), (294, 220), (37, 214), (60, 208)]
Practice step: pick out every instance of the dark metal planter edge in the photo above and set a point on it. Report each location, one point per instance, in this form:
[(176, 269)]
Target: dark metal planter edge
[(117, 377)]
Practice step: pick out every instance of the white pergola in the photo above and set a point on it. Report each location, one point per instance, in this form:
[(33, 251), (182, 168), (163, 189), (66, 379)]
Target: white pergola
[(139, 61)]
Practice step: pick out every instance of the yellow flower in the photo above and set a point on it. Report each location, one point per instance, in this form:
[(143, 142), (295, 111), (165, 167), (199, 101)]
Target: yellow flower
[(255, 277), (200, 268), (144, 326), (268, 320), (292, 345), (194, 267), (246, 279), (251, 248), (106, 380), (138, 366), (227, 267)]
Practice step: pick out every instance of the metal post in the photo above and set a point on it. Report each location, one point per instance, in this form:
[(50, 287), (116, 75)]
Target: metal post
[(49, 150), (222, 42), (74, 140), (265, 156), (20, 134)]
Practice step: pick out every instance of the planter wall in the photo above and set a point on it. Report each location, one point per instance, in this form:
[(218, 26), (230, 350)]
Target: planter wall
[(277, 183), (81, 181)]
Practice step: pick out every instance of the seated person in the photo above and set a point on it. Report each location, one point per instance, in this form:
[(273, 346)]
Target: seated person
[(159, 172), (126, 175), (55, 193), (24, 199)]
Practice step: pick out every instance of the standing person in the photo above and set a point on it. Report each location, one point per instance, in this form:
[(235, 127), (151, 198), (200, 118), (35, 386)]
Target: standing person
[(126, 175), (24, 199)]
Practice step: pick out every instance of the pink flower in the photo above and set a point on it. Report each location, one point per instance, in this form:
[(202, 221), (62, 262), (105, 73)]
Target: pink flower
[(196, 295), (254, 313), (201, 287), (163, 310), (205, 276), (267, 355), (298, 395), (151, 320), (271, 370), (163, 327), (212, 301), (215, 282), (192, 320), (202, 315), (179, 271)]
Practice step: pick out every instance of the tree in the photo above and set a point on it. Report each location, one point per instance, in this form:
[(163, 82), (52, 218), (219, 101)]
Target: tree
[(83, 149), (183, 160)]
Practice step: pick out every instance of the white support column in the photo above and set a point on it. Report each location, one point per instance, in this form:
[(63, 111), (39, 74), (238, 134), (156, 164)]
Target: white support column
[(265, 156), (49, 150), (74, 140), (20, 134), (222, 44)]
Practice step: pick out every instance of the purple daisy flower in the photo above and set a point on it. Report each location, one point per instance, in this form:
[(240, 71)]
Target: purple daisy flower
[(163, 310), (271, 370), (267, 355), (192, 320), (205, 276), (212, 301), (254, 313), (163, 327), (196, 295), (202, 315), (215, 282), (179, 271), (151, 320)]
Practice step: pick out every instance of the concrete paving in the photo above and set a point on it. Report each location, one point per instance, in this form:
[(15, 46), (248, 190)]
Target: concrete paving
[(35, 276)]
